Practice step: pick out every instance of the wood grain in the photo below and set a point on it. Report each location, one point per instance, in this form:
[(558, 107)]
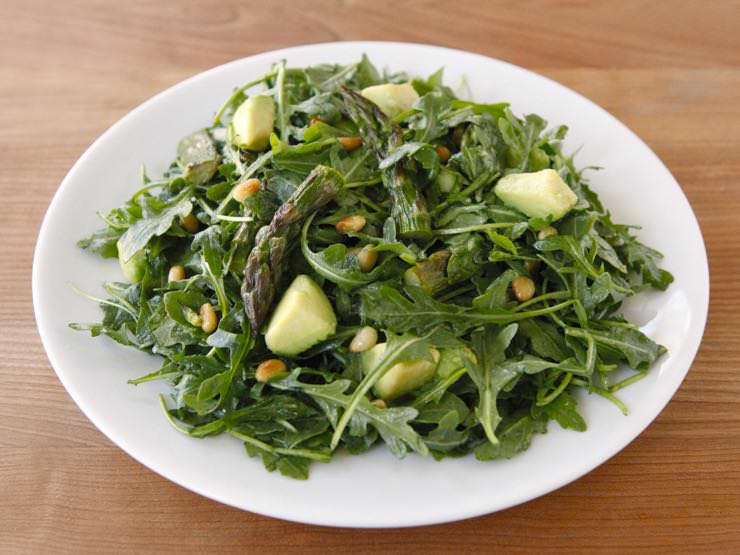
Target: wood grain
[(68, 70)]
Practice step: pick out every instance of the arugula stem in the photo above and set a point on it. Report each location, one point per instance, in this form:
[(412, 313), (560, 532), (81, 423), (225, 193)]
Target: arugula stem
[(321, 456), (439, 388), (149, 186), (282, 115), (366, 201), (359, 162), (608, 395), (237, 93), (627, 381), (456, 292), (479, 227), (243, 219), (550, 397), (357, 184), (127, 309), (110, 222), (542, 298), (515, 317)]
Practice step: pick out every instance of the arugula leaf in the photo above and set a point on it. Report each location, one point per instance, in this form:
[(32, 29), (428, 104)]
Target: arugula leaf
[(419, 312), (138, 235), (623, 343), (564, 410), (102, 242), (489, 375), (446, 437), (514, 436)]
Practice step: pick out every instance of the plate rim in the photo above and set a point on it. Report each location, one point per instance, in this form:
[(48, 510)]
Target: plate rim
[(462, 513)]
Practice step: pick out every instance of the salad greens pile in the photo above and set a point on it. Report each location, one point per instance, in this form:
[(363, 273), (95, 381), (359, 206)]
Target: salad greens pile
[(391, 210)]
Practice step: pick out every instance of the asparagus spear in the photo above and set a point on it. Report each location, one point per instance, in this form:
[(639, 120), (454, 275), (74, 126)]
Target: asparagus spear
[(263, 269), (409, 207), (430, 274)]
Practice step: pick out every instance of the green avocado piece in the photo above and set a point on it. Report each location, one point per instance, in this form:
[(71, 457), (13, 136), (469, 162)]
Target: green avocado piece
[(197, 156), (402, 377), (541, 194), (252, 123), (392, 98), (134, 268), (303, 317)]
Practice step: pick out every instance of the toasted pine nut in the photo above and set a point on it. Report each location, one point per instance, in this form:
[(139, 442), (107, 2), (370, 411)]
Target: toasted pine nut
[(351, 224), (176, 273), (269, 368), (246, 189), (350, 143), (549, 231), (379, 403), (532, 265), (209, 318), (366, 258), (523, 288), (315, 119), (443, 152), (190, 223), (364, 340)]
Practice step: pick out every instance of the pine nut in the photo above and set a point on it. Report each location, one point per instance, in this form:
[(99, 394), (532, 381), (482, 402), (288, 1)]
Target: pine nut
[(443, 152), (351, 224), (379, 403), (209, 318), (244, 190), (364, 340), (549, 231), (270, 368), (523, 288), (350, 143), (366, 258), (176, 273), (190, 223)]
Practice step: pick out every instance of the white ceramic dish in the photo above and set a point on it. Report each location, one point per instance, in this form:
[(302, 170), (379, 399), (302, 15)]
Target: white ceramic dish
[(375, 489)]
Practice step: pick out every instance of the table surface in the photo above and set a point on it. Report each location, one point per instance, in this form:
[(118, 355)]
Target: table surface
[(669, 70)]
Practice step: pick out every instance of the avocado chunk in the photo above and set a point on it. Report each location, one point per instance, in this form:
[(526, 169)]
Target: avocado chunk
[(303, 317), (402, 377), (392, 99), (541, 194), (197, 156), (252, 123), (134, 268)]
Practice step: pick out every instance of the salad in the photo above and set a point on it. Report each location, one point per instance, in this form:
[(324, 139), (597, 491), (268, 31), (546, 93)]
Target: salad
[(346, 258)]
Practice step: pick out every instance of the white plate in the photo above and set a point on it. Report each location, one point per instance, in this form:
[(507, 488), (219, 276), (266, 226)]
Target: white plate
[(375, 489)]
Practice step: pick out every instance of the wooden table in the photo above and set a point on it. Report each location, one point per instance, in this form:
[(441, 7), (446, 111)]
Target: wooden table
[(68, 70)]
